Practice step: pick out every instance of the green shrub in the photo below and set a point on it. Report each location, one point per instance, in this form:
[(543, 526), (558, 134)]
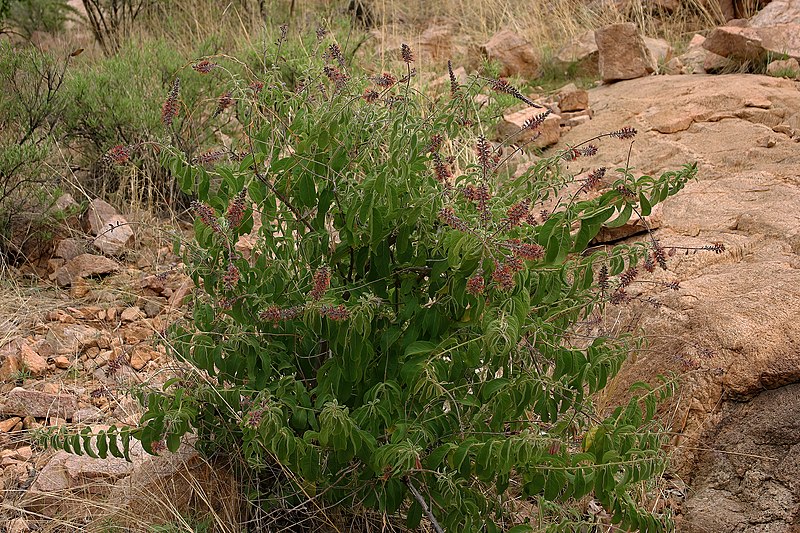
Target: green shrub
[(407, 334)]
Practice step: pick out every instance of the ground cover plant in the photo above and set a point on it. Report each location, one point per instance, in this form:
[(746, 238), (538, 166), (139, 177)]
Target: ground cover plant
[(412, 334)]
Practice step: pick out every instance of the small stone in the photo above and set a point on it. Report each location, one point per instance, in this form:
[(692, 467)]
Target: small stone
[(787, 68), (132, 314), (8, 424), (548, 133), (23, 453), (87, 415), (70, 248), (111, 314), (62, 362), (153, 306), (30, 422), (112, 230), (784, 129), (140, 357), (55, 421), (570, 98), (31, 361), (17, 525), (673, 67), (766, 142)]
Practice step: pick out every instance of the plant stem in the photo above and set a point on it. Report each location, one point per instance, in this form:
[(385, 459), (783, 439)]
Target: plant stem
[(424, 505)]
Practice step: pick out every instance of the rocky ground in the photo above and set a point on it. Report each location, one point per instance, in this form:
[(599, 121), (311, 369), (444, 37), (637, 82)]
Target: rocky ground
[(73, 345)]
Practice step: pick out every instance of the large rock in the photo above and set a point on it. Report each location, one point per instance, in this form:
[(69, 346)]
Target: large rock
[(623, 53), (545, 135), (777, 12), (84, 266), (71, 339), (516, 55), (112, 231), (582, 52), (754, 43), (746, 474), (734, 318), (660, 50), (22, 403)]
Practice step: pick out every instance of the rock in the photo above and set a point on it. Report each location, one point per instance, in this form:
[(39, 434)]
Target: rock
[(582, 52), (8, 424), (623, 54), (635, 226), (664, 5), (754, 43), (72, 339), (735, 315), (10, 364), (674, 67), (140, 356), (17, 525), (777, 12), (516, 55), (84, 266), (748, 474), (153, 306), (734, 42), (436, 43), (112, 231), (62, 362), (570, 98), (31, 361), (70, 248), (660, 50), (87, 415), (131, 314), (24, 403), (787, 68), (547, 134)]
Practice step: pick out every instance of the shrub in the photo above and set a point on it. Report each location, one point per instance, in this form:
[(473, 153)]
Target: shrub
[(31, 96), (409, 334)]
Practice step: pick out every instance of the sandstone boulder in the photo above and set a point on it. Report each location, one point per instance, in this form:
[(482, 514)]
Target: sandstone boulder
[(623, 53), (581, 51), (731, 330), (777, 12), (755, 43), (516, 55), (70, 248)]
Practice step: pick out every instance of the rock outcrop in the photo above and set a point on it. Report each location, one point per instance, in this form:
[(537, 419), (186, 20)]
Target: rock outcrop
[(733, 323)]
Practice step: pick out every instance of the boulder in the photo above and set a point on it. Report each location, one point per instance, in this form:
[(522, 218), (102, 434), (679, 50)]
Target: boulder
[(660, 50), (546, 135), (515, 54), (777, 12), (112, 231), (731, 330), (623, 53), (84, 266), (755, 43), (436, 43), (581, 51), (21, 402)]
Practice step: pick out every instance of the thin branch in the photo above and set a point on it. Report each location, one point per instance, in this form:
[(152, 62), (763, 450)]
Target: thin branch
[(424, 505)]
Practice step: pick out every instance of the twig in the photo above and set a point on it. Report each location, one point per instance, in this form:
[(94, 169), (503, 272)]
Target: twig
[(425, 508)]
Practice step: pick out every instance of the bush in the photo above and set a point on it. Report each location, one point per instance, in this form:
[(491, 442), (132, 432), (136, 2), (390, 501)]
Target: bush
[(408, 334), (31, 96)]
